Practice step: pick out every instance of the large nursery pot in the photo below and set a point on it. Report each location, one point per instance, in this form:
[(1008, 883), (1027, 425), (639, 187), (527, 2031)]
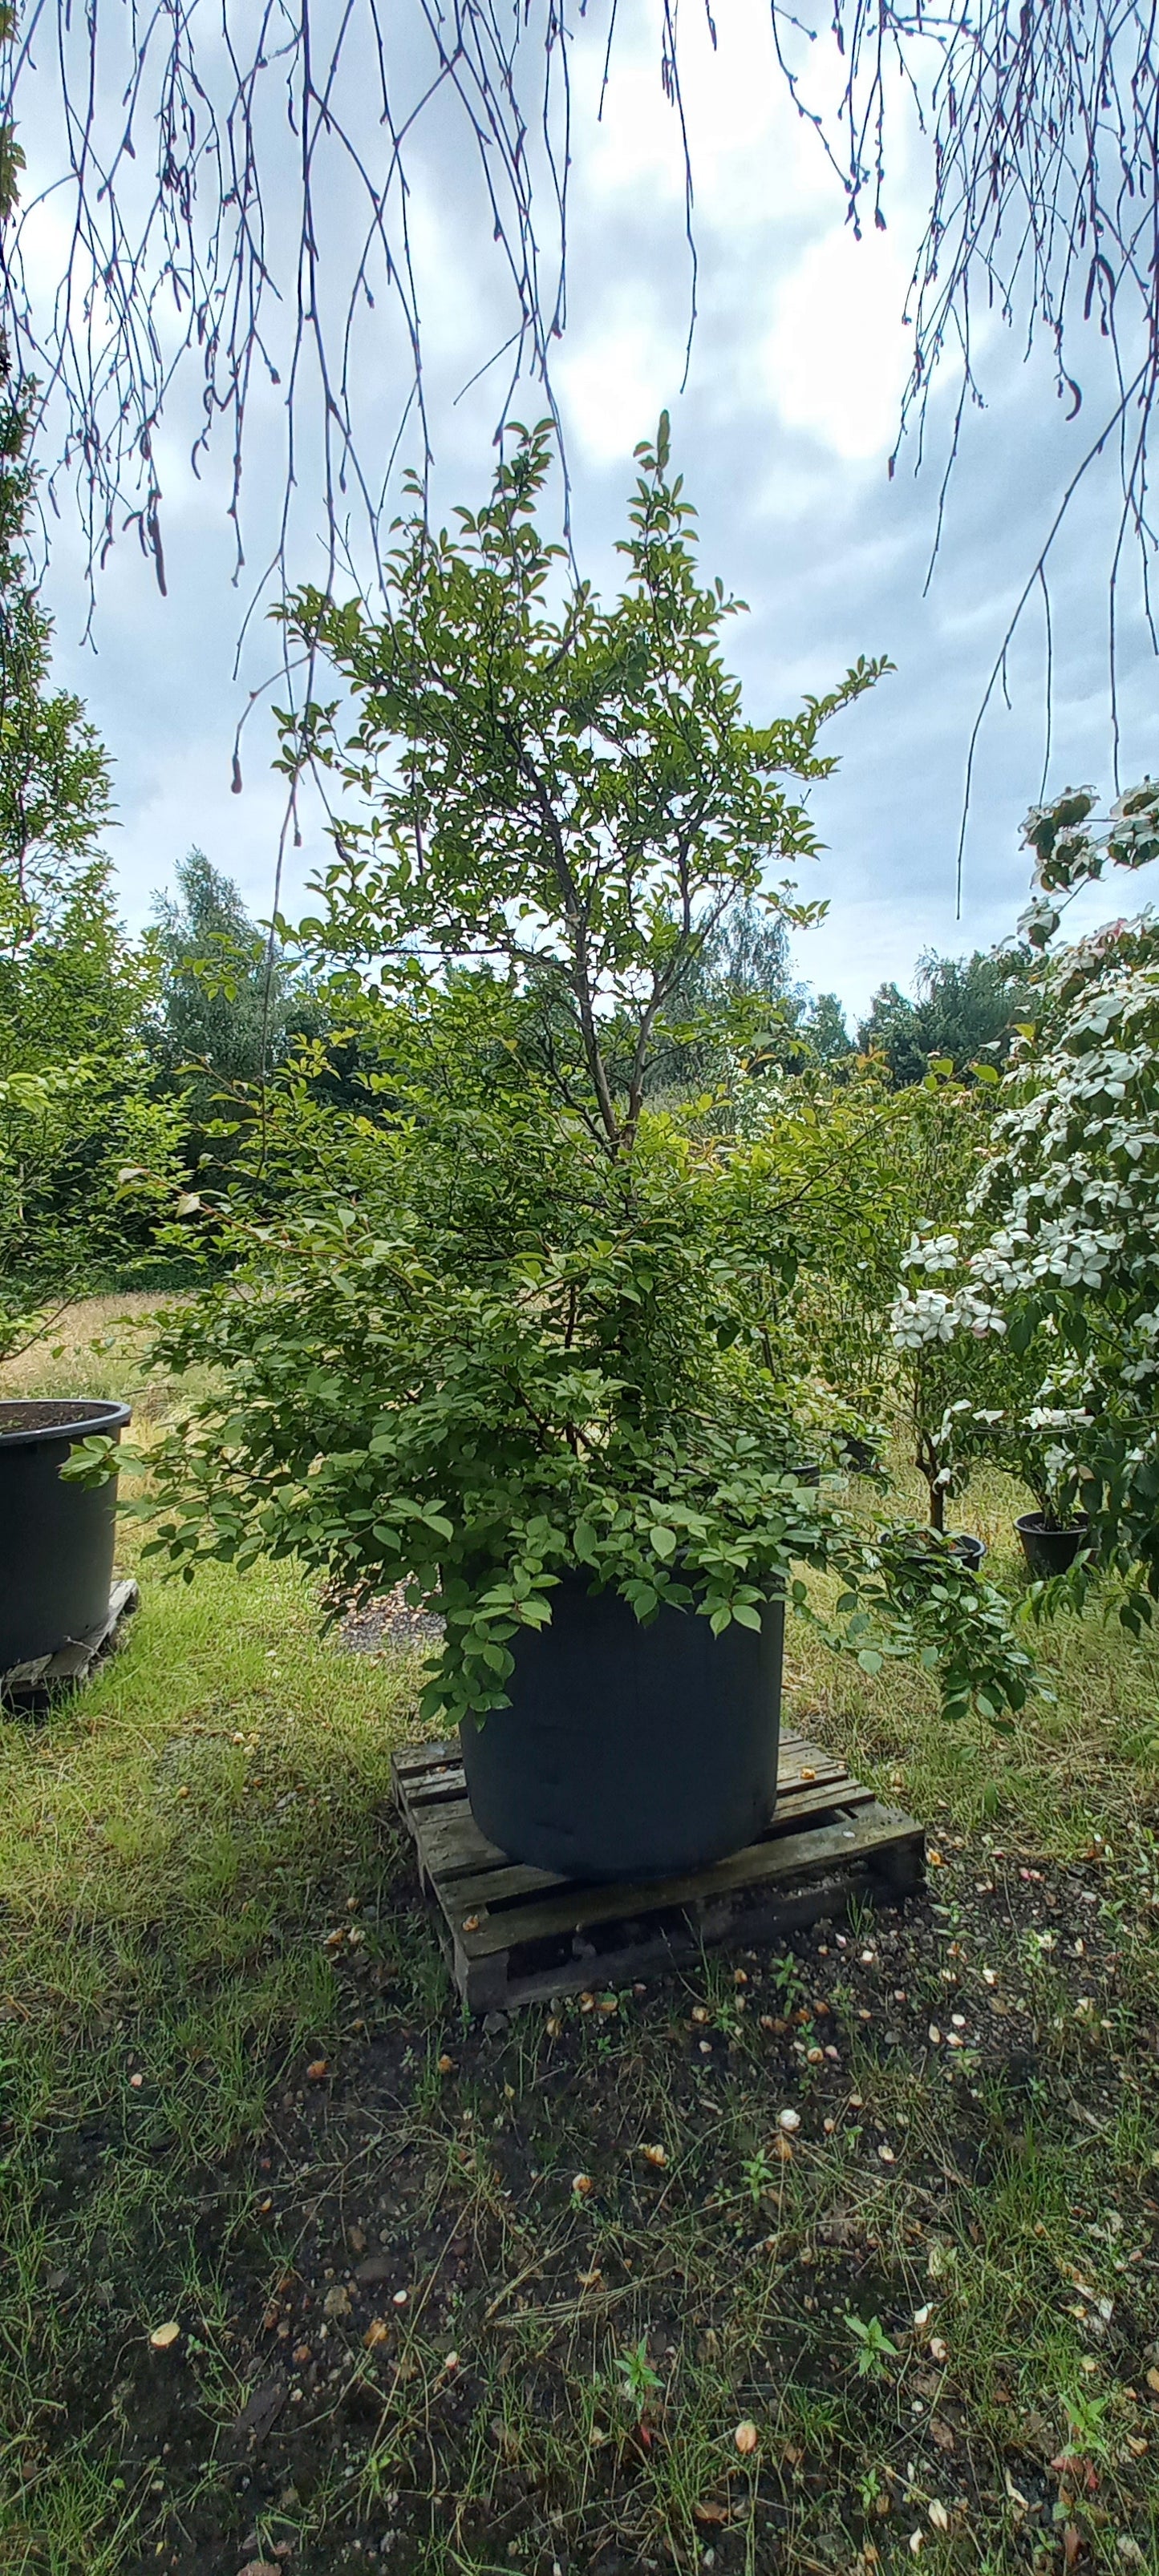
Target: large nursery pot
[(1047, 1548), (629, 1751), (56, 1539)]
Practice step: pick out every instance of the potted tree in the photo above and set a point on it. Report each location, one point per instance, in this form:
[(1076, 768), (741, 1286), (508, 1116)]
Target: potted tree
[(1066, 1197), (509, 1345)]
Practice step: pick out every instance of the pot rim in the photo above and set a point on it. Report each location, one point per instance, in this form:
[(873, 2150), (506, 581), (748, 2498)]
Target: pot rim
[(1037, 1527), (95, 1416)]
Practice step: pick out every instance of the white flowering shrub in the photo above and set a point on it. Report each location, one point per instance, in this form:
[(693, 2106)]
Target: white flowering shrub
[(1064, 1213)]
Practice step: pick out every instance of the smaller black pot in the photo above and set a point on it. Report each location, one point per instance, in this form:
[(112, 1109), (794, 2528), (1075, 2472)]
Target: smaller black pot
[(860, 1456), (1047, 1550), (968, 1550)]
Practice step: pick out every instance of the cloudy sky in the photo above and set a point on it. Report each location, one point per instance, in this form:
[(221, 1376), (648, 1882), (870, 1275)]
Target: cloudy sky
[(783, 430)]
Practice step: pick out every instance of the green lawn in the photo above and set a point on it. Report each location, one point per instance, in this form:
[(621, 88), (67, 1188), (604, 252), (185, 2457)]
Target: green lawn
[(204, 1897)]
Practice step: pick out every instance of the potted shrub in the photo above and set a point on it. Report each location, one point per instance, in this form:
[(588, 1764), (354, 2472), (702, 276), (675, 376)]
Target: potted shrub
[(1066, 1199), (951, 1364), (510, 1344)]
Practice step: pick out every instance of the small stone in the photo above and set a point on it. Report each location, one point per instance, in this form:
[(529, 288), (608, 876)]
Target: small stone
[(375, 2269), (788, 2120), (336, 2302), (493, 2023), (357, 2240), (746, 2438)]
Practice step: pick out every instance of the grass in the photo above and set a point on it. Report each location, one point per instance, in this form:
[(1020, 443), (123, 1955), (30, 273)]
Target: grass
[(235, 2094)]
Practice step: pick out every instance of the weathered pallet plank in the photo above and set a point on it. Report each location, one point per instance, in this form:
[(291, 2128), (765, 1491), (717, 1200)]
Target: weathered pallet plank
[(797, 1854), (511, 1932), (497, 1889), (47, 1677)]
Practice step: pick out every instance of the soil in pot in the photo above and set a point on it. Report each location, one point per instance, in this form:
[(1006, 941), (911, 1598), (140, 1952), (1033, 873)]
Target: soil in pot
[(56, 1540), (628, 1751), (1047, 1548)]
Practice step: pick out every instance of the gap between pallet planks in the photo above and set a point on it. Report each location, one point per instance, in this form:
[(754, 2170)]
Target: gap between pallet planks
[(35, 1685), (511, 1933)]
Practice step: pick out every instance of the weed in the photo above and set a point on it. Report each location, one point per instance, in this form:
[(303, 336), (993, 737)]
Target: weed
[(874, 2349)]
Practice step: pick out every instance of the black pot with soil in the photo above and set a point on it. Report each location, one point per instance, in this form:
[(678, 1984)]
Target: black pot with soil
[(1048, 1548), (628, 1751), (968, 1549), (56, 1539)]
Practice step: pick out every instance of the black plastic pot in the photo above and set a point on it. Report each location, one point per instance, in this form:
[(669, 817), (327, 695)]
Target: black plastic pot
[(1047, 1549), (56, 1540), (630, 1752), (968, 1549), (861, 1457)]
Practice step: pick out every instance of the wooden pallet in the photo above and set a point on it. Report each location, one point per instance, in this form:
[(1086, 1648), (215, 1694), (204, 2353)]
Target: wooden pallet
[(510, 1933), (32, 1686)]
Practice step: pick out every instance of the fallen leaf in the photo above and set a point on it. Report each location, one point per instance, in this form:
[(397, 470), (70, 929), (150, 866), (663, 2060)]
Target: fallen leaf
[(261, 2567), (164, 2337), (1071, 2545), (784, 2151), (135, 2080), (746, 2438), (451, 2364), (935, 2035), (939, 2516), (400, 2298), (655, 2155), (916, 2540), (938, 2350), (1153, 2381), (700, 2012), (377, 2331), (589, 2280), (446, 2064), (608, 2004), (936, 1862), (710, 2513), (941, 2434), (808, 1775), (581, 2184), (470, 1922), (922, 2315), (887, 2155), (318, 2070)]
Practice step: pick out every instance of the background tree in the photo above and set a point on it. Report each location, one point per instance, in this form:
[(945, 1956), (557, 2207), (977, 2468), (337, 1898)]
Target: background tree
[(226, 1003), (965, 1009)]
